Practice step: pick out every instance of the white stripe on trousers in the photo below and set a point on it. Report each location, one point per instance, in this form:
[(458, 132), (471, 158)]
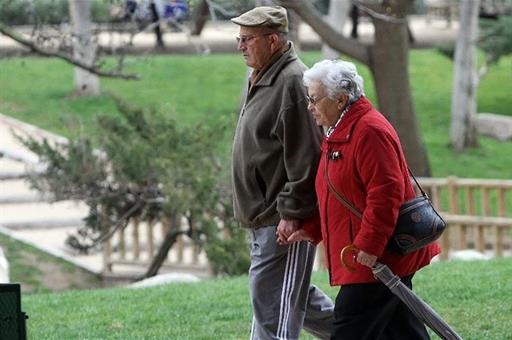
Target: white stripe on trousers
[(287, 290), (295, 254), (252, 327)]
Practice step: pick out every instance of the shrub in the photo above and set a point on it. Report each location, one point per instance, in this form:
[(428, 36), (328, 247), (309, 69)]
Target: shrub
[(148, 168)]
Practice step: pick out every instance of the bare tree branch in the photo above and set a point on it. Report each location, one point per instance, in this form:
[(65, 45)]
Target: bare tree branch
[(337, 41), (378, 16), (199, 17), (33, 46)]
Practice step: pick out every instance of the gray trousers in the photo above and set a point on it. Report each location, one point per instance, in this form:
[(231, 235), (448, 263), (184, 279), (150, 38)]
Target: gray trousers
[(283, 301)]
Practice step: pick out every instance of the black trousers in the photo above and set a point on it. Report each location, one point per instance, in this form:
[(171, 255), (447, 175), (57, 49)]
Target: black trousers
[(371, 311)]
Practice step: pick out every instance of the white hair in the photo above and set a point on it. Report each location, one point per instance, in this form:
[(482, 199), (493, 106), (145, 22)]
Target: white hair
[(337, 77)]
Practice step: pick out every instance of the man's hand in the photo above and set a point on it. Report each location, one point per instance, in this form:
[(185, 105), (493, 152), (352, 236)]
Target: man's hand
[(299, 235), (285, 229), (366, 259)]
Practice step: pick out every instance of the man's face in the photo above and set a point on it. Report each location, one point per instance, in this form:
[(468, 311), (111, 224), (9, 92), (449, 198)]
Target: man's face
[(257, 46)]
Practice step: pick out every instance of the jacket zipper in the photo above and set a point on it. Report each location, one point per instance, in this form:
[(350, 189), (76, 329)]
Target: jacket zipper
[(350, 231), (326, 170), (327, 242), (351, 234)]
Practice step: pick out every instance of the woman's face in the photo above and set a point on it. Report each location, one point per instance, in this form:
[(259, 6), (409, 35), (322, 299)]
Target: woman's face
[(325, 110)]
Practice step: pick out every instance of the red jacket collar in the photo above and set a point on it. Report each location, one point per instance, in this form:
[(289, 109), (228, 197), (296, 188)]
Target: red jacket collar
[(344, 130)]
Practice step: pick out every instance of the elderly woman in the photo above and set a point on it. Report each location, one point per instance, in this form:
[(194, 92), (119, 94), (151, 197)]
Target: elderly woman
[(363, 161)]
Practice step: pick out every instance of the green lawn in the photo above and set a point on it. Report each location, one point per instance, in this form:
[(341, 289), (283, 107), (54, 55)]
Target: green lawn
[(196, 88), (474, 297)]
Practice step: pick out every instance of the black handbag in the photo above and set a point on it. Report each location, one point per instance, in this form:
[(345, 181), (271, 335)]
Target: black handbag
[(418, 222)]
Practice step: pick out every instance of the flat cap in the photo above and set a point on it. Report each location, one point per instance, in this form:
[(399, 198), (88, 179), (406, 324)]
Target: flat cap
[(264, 16)]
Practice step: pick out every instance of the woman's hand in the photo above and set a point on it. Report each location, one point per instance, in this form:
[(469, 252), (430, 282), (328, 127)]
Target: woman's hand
[(366, 259)]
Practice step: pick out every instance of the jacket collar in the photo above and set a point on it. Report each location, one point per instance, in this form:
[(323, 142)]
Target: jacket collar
[(272, 71), (344, 130)]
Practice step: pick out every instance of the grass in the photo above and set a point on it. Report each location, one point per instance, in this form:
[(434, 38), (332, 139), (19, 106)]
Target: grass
[(186, 87), (196, 89), (473, 297)]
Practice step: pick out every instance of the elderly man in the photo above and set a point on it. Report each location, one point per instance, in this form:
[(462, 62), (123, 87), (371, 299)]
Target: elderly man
[(275, 155)]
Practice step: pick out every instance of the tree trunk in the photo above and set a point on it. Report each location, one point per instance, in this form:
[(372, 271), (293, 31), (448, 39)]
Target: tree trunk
[(84, 48), (329, 36), (200, 17), (463, 132), (170, 238), (389, 67), (294, 22), (337, 17)]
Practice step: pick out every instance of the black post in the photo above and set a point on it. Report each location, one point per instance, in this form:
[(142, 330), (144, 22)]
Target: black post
[(12, 319)]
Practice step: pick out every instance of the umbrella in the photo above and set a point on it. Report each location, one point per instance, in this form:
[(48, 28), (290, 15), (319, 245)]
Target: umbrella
[(419, 307)]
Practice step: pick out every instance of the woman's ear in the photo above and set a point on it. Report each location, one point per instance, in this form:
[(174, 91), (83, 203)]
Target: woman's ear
[(342, 101)]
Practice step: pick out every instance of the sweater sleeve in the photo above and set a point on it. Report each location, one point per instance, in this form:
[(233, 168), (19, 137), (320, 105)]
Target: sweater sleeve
[(378, 164), (312, 227), (300, 139)]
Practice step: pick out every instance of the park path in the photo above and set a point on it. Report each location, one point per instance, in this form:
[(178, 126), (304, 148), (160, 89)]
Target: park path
[(219, 37)]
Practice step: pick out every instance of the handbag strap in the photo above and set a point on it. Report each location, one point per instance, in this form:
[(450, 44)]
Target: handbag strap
[(345, 201), (339, 196), (423, 193)]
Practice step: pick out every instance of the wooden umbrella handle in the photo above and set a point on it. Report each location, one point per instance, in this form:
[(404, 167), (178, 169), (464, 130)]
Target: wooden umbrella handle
[(350, 249)]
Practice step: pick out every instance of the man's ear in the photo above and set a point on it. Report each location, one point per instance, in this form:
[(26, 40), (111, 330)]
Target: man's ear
[(275, 40)]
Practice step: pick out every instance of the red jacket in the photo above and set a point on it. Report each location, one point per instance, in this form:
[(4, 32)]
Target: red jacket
[(365, 163)]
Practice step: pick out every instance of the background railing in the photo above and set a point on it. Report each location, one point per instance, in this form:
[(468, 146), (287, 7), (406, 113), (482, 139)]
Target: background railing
[(133, 248), (478, 213)]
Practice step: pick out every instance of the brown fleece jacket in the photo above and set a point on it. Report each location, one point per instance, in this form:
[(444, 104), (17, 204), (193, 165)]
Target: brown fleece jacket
[(276, 148)]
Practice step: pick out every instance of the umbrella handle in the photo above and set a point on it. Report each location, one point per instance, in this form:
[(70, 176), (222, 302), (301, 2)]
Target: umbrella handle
[(350, 249)]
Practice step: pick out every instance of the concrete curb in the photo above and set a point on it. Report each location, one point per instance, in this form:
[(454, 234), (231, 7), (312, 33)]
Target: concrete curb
[(54, 252), (30, 129)]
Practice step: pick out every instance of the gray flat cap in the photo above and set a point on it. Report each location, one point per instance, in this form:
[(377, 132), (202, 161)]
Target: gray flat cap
[(264, 16)]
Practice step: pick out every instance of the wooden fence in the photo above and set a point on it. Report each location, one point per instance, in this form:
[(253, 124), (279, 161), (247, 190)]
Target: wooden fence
[(478, 213), (133, 248)]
